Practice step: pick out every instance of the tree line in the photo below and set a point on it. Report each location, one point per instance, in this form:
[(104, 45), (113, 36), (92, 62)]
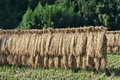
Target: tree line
[(38, 14)]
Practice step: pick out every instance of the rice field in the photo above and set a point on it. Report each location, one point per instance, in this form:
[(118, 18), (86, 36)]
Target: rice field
[(8, 72)]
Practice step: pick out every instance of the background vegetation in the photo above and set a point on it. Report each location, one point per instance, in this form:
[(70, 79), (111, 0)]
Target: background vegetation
[(38, 14), (11, 12)]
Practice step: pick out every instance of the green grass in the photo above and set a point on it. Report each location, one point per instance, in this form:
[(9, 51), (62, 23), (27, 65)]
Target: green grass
[(27, 73)]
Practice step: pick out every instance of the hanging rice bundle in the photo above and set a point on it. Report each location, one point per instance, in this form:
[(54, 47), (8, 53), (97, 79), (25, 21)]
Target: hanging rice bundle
[(47, 50), (46, 59), (74, 62), (4, 47), (109, 49), (31, 61), (98, 63), (51, 61), (57, 62), (15, 61), (53, 45), (103, 64), (43, 43), (18, 43), (25, 59), (84, 62), (90, 48), (115, 49), (79, 61), (116, 39), (65, 48), (113, 41), (64, 62), (38, 47), (41, 61), (3, 59), (10, 58), (32, 50), (73, 44), (89, 61), (60, 44), (37, 61), (20, 60), (81, 43), (100, 49)]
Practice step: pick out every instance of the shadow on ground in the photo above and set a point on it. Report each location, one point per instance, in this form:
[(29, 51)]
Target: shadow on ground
[(112, 72)]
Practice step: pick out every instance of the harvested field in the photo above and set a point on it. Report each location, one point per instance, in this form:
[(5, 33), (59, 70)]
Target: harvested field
[(83, 47), (28, 73)]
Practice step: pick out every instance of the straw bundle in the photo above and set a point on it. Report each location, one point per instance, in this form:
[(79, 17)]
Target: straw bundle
[(97, 63), (83, 47), (56, 62), (115, 49), (65, 62), (74, 62), (81, 43), (96, 44), (31, 61), (39, 61), (20, 60), (10, 58), (109, 49), (3, 58), (15, 60), (84, 62), (113, 41), (51, 61), (46, 58), (89, 61), (24, 59), (78, 61), (70, 59)]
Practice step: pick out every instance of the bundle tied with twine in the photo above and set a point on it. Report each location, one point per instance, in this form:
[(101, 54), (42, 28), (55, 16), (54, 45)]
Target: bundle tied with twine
[(83, 47)]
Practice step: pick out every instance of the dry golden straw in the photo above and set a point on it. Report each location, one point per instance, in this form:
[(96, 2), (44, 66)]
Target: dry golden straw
[(83, 47), (113, 41)]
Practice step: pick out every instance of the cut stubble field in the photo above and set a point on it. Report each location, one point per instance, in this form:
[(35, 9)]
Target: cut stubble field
[(8, 72)]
